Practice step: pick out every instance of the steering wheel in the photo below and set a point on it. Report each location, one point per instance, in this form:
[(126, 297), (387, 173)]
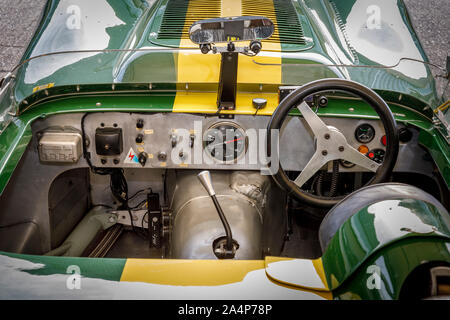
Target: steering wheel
[(331, 144)]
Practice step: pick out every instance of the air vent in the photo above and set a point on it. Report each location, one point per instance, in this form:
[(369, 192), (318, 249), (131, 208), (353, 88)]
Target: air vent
[(174, 18), (288, 29), (181, 14)]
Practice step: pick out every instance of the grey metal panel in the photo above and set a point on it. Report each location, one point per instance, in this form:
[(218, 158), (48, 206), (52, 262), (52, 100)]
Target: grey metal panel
[(33, 178), (244, 197), (296, 140), (68, 203)]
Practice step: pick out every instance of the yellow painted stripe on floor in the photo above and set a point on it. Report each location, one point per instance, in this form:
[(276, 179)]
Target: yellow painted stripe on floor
[(188, 272)]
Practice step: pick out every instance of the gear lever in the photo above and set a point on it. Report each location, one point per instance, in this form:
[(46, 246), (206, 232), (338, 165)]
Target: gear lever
[(224, 247)]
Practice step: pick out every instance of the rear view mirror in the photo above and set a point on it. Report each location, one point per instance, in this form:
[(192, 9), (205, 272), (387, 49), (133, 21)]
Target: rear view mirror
[(219, 30)]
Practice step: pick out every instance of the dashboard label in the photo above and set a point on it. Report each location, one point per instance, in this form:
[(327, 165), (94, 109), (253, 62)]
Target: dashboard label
[(131, 157)]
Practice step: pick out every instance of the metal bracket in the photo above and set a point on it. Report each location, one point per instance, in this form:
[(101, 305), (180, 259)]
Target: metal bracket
[(226, 98)]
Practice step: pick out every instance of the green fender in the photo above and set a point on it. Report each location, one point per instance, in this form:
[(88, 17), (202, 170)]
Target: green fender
[(397, 235), (393, 264)]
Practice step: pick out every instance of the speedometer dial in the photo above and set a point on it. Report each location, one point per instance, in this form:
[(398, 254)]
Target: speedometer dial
[(364, 133), (225, 142)]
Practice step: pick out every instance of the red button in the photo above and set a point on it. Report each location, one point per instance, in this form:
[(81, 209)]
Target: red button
[(371, 155), (383, 140)]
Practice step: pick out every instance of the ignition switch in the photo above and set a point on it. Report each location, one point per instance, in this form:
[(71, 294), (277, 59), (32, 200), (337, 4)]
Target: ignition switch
[(143, 158)]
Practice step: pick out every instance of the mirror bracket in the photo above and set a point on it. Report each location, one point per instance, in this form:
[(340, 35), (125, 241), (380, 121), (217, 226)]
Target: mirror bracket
[(206, 33), (226, 97)]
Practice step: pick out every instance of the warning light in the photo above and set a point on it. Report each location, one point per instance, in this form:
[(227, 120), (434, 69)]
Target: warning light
[(363, 149), (383, 140), (371, 155)]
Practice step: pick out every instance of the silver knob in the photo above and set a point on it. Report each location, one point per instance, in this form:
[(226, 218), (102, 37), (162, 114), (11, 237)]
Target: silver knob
[(259, 103), (205, 179)]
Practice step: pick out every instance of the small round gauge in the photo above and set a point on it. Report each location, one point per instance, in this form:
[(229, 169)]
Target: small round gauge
[(376, 155), (364, 133), (346, 164), (225, 141)]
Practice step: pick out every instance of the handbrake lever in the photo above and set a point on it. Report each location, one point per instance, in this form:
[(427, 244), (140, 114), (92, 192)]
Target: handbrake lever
[(224, 247)]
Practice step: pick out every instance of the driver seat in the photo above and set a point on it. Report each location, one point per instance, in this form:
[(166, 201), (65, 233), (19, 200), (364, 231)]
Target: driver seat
[(364, 197)]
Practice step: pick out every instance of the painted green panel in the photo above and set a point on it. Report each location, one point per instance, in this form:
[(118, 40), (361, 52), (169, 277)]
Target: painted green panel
[(107, 269), (395, 263), (174, 19), (13, 142), (439, 150), (162, 67), (291, 19), (376, 227)]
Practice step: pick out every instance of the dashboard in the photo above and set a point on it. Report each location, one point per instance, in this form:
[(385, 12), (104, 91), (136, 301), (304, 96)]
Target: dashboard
[(181, 141)]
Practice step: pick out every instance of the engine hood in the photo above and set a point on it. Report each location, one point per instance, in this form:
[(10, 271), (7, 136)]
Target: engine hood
[(137, 41)]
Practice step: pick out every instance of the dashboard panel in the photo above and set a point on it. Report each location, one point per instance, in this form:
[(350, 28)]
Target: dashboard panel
[(187, 141)]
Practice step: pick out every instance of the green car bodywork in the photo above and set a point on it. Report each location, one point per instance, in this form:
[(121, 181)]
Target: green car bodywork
[(121, 66)]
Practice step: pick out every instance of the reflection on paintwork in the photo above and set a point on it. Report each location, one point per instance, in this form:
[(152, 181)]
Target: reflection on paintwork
[(17, 283), (386, 44), (397, 217), (299, 272), (386, 290), (77, 25), (376, 227)]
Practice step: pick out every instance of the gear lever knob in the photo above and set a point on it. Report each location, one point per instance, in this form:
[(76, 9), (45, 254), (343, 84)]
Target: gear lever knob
[(205, 179)]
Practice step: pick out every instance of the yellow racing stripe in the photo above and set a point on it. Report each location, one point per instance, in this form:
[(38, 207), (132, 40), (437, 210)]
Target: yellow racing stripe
[(231, 8), (199, 273), (194, 67), (318, 265), (188, 272)]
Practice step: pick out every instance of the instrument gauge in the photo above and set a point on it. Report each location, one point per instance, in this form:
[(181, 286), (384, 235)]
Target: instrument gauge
[(225, 142), (364, 133), (376, 155)]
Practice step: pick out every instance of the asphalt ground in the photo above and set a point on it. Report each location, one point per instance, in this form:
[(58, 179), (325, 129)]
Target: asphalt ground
[(19, 19)]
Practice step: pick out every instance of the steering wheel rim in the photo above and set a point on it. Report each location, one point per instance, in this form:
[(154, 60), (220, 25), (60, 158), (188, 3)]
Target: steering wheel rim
[(296, 98)]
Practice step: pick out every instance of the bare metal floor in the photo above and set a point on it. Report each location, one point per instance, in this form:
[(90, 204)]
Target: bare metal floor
[(130, 245), (302, 243)]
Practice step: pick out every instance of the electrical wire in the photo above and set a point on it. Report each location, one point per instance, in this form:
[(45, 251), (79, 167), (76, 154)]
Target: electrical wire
[(118, 183)]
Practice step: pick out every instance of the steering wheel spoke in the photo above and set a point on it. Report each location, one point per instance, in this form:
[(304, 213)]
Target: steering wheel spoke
[(354, 156), (315, 163), (315, 123)]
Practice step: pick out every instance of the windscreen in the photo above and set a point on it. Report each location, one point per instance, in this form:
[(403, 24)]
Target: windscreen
[(50, 74)]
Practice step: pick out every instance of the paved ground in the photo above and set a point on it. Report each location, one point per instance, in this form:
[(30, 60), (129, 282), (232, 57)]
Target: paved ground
[(19, 18)]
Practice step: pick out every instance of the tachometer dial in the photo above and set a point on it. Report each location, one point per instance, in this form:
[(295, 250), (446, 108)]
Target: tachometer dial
[(225, 142), (376, 155), (364, 133)]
